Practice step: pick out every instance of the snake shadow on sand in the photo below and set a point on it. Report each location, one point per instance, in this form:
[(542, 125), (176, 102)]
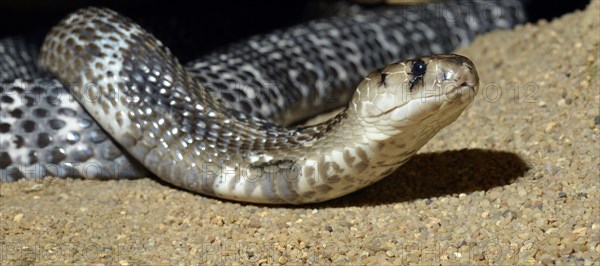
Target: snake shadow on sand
[(429, 175)]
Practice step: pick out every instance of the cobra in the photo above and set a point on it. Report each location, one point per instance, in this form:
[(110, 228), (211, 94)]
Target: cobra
[(190, 135)]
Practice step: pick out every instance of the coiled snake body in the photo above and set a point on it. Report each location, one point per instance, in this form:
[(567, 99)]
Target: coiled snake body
[(217, 126)]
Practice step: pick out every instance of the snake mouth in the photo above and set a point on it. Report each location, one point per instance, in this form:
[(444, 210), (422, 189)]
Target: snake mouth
[(419, 108), (466, 90)]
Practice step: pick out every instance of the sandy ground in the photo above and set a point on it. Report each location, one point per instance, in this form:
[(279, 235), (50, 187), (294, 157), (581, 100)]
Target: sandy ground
[(515, 180)]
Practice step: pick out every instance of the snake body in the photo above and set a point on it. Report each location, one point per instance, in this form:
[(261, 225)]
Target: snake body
[(218, 126)]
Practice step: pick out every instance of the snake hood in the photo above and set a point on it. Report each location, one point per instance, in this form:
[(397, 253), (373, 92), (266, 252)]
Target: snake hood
[(393, 113)]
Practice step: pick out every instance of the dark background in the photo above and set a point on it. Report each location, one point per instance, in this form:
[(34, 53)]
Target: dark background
[(190, 29)]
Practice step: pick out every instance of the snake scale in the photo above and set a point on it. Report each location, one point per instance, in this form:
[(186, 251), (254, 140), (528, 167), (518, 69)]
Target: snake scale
[(223, 125)]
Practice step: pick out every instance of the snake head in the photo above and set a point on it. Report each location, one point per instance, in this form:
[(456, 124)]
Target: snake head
[(436, 88)]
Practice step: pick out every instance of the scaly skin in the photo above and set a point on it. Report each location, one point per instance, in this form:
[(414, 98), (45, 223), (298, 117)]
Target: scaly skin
[(167, 120)]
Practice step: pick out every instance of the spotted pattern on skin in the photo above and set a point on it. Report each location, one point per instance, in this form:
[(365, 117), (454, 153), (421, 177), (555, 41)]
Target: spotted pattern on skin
[(46, 132), (295, 73), (17, 60)]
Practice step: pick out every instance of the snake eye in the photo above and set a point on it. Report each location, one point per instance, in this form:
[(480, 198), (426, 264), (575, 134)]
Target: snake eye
[(418, 71), (418, 68)]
